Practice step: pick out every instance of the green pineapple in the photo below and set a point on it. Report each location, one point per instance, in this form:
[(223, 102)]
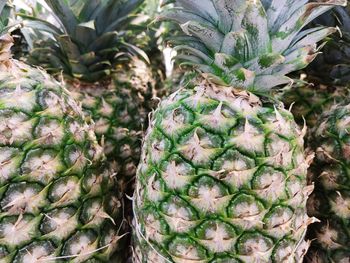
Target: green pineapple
[(103, 71), (331, 199), (328, 74), (55, 203), (222, 176)]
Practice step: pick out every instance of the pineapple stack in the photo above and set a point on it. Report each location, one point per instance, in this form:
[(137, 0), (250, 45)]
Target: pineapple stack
[(56, 201), (223, 175)]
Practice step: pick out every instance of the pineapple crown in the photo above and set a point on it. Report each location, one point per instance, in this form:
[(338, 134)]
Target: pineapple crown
[(90, 39), (249, 44)]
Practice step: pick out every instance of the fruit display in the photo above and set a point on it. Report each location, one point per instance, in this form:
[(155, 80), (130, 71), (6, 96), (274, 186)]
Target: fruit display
[(222, 176), (174, 131)]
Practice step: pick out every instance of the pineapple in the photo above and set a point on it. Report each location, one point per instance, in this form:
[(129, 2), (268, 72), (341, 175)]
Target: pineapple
[(55, 202), (222, 176), (331, 200), (104, 72), (327, 75)]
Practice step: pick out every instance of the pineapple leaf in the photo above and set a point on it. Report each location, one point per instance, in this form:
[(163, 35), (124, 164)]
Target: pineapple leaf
[(230, 13), (2, 5), (181, 16), (270, 81), (201, 55), (137, 51), (104, 41), (89, 9), (255, 24), (40, 24), (317, 35), (69, 47), (85, 32), (100, 65), (66, 15), (92, 33), (204, 8), (5, 10), (209, 35), (291, 27)]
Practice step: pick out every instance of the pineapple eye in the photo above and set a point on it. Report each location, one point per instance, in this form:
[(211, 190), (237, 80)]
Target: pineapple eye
[(217, 236), (14, 229), (251, 243), (38, 250), (187, 249), (42, 165), (59, 223), (65, 191), (81, 244), (15, 127), (49, 132), (245, 206)]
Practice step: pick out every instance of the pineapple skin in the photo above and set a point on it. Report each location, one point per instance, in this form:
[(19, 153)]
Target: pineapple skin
[(330, 173), (118, 110), (57, 202), (222, 179), (308, 102)]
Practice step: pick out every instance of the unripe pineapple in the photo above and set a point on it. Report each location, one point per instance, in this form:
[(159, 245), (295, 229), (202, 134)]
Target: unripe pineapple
[(223, 170), (331, 200)]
